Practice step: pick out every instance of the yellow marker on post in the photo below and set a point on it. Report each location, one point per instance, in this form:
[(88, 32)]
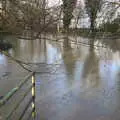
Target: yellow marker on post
[(33, 96)]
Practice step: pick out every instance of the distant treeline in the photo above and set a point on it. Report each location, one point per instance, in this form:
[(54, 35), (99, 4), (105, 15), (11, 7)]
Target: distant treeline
[(17, 16)]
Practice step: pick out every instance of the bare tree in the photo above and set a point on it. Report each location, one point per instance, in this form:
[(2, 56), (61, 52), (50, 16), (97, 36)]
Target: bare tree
[(68, 7), (92, 9), (109, 14), (32, 15)]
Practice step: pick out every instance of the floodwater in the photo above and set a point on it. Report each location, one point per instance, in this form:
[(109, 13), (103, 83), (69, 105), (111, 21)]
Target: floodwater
[(76, 83)]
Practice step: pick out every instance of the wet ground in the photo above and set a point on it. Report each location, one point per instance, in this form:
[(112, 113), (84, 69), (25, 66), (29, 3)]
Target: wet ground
[(78, 83)]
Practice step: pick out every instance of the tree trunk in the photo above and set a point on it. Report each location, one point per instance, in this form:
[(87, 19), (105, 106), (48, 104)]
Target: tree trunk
[(92, 26)]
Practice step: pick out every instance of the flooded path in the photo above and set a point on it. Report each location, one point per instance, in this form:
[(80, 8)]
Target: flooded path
[(80, 83)]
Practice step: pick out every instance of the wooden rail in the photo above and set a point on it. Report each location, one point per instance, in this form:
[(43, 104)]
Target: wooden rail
[(12, 92)]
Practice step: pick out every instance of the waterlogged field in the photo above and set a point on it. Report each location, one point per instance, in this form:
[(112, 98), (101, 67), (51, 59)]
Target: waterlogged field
[(73, 81)]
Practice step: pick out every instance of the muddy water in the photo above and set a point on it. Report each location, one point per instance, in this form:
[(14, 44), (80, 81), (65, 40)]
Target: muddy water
[(79, 83)]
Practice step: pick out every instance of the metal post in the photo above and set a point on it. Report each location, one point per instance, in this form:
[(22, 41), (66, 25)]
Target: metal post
[(33, 96)]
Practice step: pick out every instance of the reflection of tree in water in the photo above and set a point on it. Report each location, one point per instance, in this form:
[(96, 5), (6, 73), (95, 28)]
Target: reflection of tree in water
[(24, 48), (66, 42), (90, 73), (92, 40), (113, 44), (69, 59), (31, 50)]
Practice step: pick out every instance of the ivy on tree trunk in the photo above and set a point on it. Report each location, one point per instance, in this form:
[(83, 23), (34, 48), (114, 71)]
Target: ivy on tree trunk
[(68, 7)]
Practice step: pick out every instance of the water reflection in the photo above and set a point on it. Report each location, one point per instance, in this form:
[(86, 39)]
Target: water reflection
[(69, 62), (3, 65), (93, 76), (3, 60), (90, 74), (37, 51), (66, 42)]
